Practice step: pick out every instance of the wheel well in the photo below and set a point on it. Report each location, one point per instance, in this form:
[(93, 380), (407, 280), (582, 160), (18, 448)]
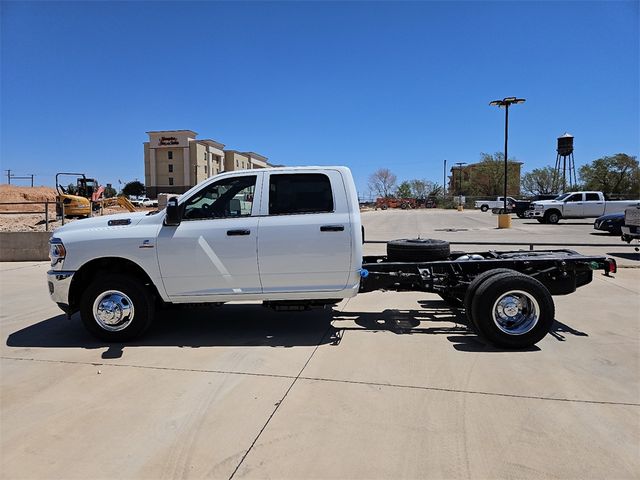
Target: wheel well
[(101, 266)]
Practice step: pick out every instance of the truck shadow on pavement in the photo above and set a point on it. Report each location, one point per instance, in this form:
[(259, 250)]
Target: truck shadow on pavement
[(435, 317), (255, 326), (230, 325), (626, 255)]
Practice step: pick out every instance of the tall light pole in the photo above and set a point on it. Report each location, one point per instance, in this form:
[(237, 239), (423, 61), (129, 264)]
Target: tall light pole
[(506, 102)]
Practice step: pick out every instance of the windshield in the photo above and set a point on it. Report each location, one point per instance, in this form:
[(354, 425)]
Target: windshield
[(562, 197)]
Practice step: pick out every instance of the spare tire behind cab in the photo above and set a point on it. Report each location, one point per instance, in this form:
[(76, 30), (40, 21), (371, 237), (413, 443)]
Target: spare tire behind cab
[(417, 250)]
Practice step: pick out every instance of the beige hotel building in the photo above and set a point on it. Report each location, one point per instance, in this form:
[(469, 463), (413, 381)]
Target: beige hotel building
[(175, 161)]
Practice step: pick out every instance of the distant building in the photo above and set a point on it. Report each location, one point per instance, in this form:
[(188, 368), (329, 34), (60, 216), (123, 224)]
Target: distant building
[(175, 161), (485, 179)]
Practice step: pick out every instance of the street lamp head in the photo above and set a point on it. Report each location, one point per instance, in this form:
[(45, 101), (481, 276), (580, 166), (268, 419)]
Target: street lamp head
[(505, 102)]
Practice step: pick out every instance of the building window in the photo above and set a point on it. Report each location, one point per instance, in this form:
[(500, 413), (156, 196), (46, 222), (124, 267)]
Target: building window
[(170, 180), (236, 163), (205, 169), (170, 155), (171, 168)]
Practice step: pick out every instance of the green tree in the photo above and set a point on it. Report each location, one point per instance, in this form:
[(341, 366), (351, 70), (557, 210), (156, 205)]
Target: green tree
[(539, 181), (382, 182), (404, 190), (421, 188), (617, 174), (435, 191), (109, 191), (487, 176), (135, 188)]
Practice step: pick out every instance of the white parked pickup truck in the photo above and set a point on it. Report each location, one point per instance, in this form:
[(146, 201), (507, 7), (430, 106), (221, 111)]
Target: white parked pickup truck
[(485, 205), (291, 238), (576, 205)]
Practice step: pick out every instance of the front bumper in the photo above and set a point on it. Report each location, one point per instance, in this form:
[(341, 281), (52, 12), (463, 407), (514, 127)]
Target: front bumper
[(630, 232), (59, 284), (534, 213)]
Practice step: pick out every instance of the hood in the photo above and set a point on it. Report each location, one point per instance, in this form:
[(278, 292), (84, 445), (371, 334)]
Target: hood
[(547, 202), (611, 216), (119, 220)]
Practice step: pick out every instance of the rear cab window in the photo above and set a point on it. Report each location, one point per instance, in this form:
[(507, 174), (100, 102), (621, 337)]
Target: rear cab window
[(300, 193)]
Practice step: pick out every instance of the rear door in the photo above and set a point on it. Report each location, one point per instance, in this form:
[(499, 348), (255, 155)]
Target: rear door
[(304, 232), (593, 205)]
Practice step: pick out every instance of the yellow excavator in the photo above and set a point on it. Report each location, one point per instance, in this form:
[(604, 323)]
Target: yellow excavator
[(88, 194)]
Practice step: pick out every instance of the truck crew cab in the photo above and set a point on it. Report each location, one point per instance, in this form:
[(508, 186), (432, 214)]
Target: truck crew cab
[(290, 237)]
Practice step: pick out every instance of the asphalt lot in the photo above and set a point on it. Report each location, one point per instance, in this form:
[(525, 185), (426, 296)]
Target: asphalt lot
[(388, 385)]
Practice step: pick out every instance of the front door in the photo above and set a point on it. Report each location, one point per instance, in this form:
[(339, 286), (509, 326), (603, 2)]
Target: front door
[(214, 249), (573, 206)]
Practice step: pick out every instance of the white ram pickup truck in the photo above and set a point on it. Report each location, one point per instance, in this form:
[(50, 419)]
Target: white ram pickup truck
[(282, 234), (291, 238), (576, 205), (485, 205)]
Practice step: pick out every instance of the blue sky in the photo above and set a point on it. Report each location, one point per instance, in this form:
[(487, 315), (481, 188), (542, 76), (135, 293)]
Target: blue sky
[(402, 85)]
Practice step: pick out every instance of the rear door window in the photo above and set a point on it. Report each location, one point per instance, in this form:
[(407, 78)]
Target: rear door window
[(298, 193), (593, 197)]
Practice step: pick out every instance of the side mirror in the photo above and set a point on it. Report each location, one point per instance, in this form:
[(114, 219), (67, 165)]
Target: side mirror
[(173, 216)]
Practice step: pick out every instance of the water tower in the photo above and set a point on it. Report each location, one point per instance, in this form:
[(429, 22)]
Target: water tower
[(565, 171)]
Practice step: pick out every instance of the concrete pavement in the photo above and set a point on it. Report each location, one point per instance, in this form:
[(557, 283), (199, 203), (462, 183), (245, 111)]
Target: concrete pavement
[(389, 385)]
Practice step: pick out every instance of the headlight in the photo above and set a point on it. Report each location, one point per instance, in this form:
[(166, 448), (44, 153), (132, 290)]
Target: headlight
[(57, 252)]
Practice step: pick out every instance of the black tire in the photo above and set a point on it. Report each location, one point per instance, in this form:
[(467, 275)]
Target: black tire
[(484, 208), (533, 314), (383, 207), (417, 250), (129, 298), (552, 217), (473, 287), (451, 300), (520, 215), (541, 220)]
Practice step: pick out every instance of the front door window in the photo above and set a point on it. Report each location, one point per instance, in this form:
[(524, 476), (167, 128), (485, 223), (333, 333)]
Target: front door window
[(227, 198)]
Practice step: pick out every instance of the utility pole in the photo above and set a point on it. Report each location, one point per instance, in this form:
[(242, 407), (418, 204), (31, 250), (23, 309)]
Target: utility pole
[(460, 164), (444, 180), (8, 176)]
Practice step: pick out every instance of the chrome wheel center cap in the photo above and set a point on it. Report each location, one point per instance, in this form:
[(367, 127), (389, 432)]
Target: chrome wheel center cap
[(109, 312), (511, 309)]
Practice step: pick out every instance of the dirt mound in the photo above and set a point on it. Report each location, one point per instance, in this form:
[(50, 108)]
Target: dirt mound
[(20, 220), (13, 193)]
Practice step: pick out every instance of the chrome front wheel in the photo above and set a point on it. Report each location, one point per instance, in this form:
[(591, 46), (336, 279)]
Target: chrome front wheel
[(113, 310), (116, 307)]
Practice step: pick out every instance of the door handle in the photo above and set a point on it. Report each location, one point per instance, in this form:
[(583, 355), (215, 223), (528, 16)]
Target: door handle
[(232, 233), (332, 228)]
